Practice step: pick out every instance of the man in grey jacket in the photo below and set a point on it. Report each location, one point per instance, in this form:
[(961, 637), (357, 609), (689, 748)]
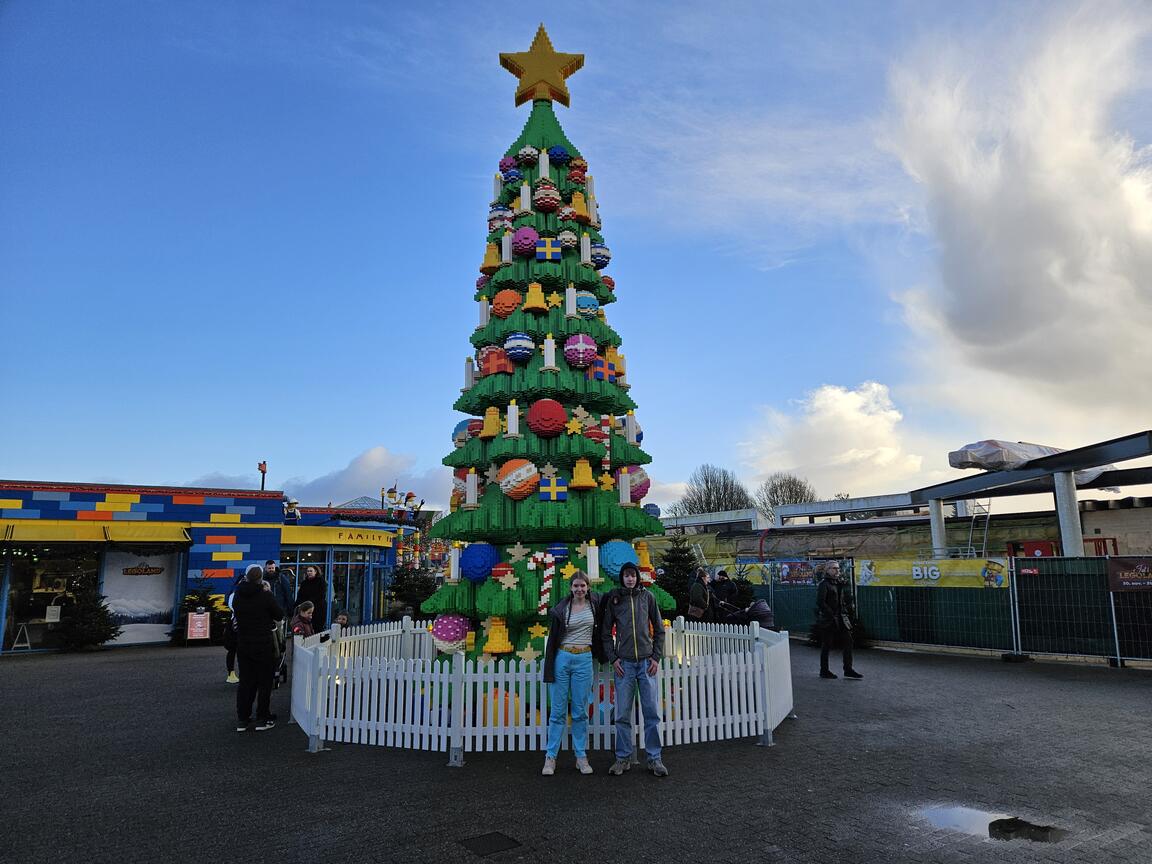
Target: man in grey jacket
[(635, 651)]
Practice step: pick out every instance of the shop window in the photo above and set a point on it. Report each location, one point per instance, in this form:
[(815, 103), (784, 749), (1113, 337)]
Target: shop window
[(42, 582)]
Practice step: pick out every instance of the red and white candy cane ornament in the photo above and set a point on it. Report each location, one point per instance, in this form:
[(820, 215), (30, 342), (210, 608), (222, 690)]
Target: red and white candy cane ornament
[(548, 561)]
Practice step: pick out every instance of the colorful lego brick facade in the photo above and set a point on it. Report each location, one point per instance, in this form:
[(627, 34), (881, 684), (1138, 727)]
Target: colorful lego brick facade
[(228, 529)]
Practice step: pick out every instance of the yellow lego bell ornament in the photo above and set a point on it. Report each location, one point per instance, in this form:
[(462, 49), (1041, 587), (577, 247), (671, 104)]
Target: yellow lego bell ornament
[(491, 259), (535, 301), (491, 427), (582, 476), (498, 642)]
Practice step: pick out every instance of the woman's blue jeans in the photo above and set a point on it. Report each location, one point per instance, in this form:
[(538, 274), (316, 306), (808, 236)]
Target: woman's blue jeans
[(571, 689)]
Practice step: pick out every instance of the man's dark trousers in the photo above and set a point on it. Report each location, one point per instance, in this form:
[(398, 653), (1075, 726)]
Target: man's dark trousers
[(829, 642)]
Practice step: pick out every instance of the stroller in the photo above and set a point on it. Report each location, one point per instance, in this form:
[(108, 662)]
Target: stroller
[(759, 611)]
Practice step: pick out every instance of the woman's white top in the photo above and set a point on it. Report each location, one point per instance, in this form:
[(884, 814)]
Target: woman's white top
[(579, 632)]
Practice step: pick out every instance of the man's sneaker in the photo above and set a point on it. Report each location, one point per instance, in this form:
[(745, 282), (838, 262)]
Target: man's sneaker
[(265, 725), (827, 674), (242, 725), (852, 673), (657, 768), (231, 679), (582, 766), (549, 766), (619, 767)]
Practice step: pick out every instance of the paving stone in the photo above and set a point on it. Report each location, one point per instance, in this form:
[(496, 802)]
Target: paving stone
[(129, 755)]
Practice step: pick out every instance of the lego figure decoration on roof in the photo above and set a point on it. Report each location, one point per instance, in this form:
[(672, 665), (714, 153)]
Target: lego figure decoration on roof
[(548, 475)]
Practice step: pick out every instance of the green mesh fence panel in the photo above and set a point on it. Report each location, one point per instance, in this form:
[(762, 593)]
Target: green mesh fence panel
[(956, 617), (1134, 623), (1063, 606), (794, 605)]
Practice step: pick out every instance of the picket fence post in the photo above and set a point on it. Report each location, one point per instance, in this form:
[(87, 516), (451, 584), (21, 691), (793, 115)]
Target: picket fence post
[(456, 740), (764, 701), (320, 697)]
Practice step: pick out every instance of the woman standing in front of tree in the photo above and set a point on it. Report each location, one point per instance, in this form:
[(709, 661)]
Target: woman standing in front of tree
[(573, 642)]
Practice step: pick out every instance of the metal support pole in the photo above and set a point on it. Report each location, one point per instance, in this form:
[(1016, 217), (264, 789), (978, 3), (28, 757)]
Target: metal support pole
[(1068, 512), (1115, 629), (939, 534)]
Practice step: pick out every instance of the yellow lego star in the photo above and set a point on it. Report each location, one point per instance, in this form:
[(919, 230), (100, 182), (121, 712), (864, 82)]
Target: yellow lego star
[(542, 70), (574, 426), (607, 482), (568, 570), (554, 299), (537, 631)]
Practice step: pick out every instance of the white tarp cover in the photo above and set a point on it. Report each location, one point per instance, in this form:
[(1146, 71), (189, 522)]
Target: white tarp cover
[(993, 455)]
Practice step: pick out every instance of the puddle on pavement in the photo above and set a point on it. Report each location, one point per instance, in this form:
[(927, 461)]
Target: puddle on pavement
[(984, 823)]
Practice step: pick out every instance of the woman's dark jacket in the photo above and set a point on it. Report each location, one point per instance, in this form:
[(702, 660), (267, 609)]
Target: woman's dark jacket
[(558, 626), (699, 595), (256, 612), (315, 590)]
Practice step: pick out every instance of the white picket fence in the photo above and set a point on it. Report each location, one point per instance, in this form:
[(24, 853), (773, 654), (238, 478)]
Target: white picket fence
[(381, 684)]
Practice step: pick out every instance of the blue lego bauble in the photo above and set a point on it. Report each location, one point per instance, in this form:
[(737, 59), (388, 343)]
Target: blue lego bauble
[(513, 175), (558, 551), (615, 554), (519, 347), (586, 304), (477, 561), (601, 256), (652, 510), (559, 155), (460, 434)]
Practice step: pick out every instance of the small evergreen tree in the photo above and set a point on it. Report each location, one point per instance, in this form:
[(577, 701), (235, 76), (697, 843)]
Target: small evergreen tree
[(87, 622), (410, 587), (679, 565)]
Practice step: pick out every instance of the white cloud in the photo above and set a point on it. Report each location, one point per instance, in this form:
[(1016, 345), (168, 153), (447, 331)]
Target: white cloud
[(366, 474), (1040, 209), (844, 440), (665, 494)]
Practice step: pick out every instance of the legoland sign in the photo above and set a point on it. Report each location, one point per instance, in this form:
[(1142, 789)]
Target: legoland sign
[(1130, 574), (932, 573)]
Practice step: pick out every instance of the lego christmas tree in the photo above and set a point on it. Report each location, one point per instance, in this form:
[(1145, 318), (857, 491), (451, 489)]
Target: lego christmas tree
[(548, 469)]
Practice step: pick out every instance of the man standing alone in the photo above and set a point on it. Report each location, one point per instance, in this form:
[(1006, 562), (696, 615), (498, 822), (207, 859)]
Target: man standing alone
[(257, 615)]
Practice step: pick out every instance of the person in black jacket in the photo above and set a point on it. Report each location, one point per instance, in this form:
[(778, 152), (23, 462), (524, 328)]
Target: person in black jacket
[(724, 592), (574, 641), (314, 588), (700, 603), (832, 607), (257, 616)]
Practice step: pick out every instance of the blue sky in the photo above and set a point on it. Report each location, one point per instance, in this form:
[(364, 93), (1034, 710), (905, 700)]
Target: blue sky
[(847, 238)]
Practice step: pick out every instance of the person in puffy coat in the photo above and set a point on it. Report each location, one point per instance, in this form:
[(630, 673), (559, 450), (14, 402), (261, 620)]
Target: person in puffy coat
[(257, 650)]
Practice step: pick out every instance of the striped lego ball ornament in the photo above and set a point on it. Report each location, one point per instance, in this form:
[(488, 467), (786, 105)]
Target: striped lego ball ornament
[(580, 350), (519, 347), (518, 478)]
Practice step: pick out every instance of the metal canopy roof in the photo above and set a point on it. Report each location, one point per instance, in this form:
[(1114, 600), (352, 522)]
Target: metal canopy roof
[(1036, 476)]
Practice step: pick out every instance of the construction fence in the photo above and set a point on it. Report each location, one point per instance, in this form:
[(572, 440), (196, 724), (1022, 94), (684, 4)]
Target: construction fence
[(1054, 606)]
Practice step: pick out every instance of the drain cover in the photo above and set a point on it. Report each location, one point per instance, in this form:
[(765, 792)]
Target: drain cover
[(489, 844)]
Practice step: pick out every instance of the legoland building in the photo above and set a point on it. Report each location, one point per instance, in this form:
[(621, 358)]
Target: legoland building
[(145, 547)]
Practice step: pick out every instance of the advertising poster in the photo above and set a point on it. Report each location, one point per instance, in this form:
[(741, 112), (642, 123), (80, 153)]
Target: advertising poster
[(932, 573), (1130, 574), (140, 591)]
